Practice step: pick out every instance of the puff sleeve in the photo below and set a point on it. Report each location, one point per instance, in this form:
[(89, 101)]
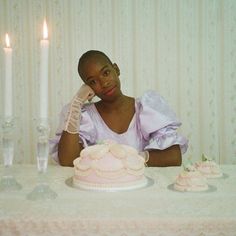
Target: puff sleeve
[(158, 123)]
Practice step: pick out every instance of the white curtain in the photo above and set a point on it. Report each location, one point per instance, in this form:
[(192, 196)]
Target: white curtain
[(184, 49)]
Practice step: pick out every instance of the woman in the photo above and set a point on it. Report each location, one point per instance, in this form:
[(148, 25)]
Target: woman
[(146, 123)]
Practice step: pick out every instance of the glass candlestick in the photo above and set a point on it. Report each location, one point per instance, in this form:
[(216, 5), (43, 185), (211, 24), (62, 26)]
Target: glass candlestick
[(8, 181), (42, 191)]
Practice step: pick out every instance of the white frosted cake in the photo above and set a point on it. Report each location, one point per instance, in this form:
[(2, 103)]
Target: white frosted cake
[(208, 167), (109, 166), (190, 180)]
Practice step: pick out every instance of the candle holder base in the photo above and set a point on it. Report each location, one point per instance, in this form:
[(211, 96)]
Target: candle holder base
[(42, 191), (9, 184)]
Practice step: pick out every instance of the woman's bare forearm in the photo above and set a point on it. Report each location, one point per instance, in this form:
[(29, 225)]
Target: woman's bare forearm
[(68, 148), (168, 157)]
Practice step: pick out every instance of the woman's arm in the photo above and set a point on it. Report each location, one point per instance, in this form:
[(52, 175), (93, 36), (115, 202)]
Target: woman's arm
[(167, 157), (69, 148)]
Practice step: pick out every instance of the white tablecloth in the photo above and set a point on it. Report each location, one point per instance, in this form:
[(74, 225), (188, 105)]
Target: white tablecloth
[(155, 210)]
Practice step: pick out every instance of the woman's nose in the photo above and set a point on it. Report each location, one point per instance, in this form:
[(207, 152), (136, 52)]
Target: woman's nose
[(104, 82)]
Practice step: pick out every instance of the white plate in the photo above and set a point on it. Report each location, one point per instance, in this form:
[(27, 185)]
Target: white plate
[(150, 182), (211, 188), (223, 176)]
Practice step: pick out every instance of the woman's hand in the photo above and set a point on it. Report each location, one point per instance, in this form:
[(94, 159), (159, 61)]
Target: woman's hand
[(73, 118), (84, 93)]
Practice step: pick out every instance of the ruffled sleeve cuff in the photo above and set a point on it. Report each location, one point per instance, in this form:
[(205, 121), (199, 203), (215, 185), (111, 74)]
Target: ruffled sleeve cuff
[(158, 123), (164, 139)]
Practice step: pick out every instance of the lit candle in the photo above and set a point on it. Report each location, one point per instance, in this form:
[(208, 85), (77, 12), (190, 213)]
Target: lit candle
[(44, 45), (8, 79)]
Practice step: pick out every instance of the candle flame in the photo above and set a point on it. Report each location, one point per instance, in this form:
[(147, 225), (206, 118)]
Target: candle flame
[(45, 30), (7, 41)]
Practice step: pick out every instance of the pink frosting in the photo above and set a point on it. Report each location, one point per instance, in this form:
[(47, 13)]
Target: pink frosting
[(108, 169), (209, 168), (191, 180)]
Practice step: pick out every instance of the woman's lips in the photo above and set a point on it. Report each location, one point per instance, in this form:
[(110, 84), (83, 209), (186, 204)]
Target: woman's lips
[(110, 91)]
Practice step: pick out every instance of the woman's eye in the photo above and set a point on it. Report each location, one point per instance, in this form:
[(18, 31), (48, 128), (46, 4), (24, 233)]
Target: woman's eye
[(106, 72), (92, 82)]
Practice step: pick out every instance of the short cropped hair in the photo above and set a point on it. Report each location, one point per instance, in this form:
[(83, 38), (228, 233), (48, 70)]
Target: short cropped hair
[(89, 54)]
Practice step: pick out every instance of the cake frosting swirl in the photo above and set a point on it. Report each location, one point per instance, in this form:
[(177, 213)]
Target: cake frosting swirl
[(109, 166)]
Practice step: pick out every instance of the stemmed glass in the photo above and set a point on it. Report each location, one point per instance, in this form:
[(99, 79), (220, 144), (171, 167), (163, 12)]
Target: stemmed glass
[(8, 181), (42, 191)]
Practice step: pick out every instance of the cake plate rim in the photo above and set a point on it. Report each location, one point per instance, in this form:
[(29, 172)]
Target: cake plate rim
[(149, 183)]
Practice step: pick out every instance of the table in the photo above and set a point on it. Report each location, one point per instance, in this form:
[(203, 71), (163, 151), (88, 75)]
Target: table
[(155, 210)]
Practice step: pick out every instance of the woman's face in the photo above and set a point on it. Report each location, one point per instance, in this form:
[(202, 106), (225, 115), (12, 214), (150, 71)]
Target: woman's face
[(102, 77)]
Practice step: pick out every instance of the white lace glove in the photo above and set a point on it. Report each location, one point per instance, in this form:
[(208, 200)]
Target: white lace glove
[(145, 155), (72, 122)]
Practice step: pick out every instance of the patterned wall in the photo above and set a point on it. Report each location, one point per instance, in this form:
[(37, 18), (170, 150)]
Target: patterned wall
[(186, 50)]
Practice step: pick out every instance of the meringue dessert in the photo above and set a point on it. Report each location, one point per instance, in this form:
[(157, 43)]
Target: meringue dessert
[(190, 180), (208, 167)]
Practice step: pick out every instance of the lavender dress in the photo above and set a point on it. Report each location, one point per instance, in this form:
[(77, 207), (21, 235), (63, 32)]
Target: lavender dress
[(153, 126)]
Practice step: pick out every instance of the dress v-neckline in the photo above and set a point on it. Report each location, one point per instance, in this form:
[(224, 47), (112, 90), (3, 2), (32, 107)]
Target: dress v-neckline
[(107, 127)]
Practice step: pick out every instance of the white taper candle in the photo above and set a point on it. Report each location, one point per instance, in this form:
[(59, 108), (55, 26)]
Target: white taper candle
[(8, 79), (44, 46)]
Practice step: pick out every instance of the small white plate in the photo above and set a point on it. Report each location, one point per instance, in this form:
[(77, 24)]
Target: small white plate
[(223, 176), (211, 188)]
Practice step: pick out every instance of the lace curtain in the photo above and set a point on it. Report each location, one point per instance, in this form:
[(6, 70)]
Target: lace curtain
[(186, 50)]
